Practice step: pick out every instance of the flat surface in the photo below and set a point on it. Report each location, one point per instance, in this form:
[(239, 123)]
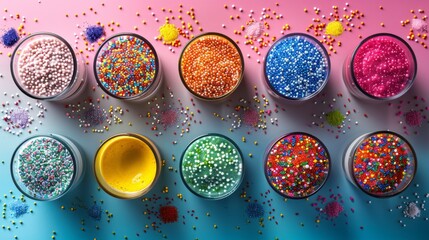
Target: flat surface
[(363, 217)]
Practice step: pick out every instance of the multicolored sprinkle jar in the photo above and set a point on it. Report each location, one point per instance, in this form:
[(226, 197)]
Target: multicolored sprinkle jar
[(127, 165), (46, 167), (382, 164), (127, 66), (297, 165), (45, 67), (382, 67), (296, 67), (212, 166), (211, 66)]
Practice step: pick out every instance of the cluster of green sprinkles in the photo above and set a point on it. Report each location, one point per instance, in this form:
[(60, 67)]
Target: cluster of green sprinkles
[(43, 168), (126, 66), (212, 167)]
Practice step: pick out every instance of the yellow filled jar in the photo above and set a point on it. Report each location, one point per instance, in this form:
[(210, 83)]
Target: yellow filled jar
[(127, 165)]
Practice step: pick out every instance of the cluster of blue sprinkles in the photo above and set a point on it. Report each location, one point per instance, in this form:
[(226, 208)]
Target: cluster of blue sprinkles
[(10, 37), (93, 33), (255, 210), (95, 211), (18, 209), (297, 67)]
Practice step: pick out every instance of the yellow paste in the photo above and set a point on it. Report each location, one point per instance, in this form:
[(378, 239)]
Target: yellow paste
[(127, 164)]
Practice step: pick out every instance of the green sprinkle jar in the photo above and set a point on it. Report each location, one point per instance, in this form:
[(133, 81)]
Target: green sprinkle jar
[(46, 167), (212, 166)]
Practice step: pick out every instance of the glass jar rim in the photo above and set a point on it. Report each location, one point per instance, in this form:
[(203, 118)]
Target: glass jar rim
[(229, 193), (16, 51), (182, 78), (318, 45), (123, 194), (57, 138), (157, 65), (273, 143), (408, 47), (365, 136)]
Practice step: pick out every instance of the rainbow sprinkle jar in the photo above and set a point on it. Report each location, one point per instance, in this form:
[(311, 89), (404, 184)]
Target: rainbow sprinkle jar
[(382, 164), (127, 165), (127, 66), (211, 66), (212, 166), (297, 165), (382, 67), (296, 67), (45, 67), (46, 167)]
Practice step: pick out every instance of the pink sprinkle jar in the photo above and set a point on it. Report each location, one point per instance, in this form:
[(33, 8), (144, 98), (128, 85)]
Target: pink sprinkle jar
[(45, 67), (382, 67)]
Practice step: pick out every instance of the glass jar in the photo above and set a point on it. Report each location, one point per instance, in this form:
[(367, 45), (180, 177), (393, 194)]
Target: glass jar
[(127, 165), (382, 67), (45, 67), (127, 67), (296, 68), (381, 164), (297, 165), (46, 167), (211, 66), (212, 166)]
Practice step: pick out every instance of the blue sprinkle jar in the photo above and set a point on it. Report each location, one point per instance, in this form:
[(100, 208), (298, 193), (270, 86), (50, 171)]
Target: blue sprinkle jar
[(296, 67), (46, 167)]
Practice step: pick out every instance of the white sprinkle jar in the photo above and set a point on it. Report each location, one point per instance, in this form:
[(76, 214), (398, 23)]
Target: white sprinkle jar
[(46, 167), (45, 67)]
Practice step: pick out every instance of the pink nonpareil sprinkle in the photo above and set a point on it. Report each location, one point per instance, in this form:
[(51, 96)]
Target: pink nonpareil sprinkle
[(255, 29), (413, 118), (333, 209), (382, 67), (419, 25)]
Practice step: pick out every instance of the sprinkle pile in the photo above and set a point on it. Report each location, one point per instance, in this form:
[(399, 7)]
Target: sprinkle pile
[(167, 111), (45, 66), (212, 166), (211, 66), (256, 28), (93, 33), (20, 117), (93, 116), (254, 113), (418, 32), (382, 66), (297, 165), (126, 66), (10, 37), (330, 110), (297, 67), (52, 168), (383, 164), (410, 113), (339, 21), (168, 214)]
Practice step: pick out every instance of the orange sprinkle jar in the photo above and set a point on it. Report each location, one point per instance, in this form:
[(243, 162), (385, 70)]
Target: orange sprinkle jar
[(211, 66)]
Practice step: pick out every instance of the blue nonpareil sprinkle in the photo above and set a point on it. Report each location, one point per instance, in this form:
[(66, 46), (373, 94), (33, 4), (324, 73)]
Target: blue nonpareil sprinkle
[(18, 209), (95, 211), (255, 210), (297, 67), (93, 33), (10, 37)]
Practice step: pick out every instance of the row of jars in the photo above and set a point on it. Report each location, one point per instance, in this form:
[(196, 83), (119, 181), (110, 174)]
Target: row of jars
[(296, 165), (211, 66)]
